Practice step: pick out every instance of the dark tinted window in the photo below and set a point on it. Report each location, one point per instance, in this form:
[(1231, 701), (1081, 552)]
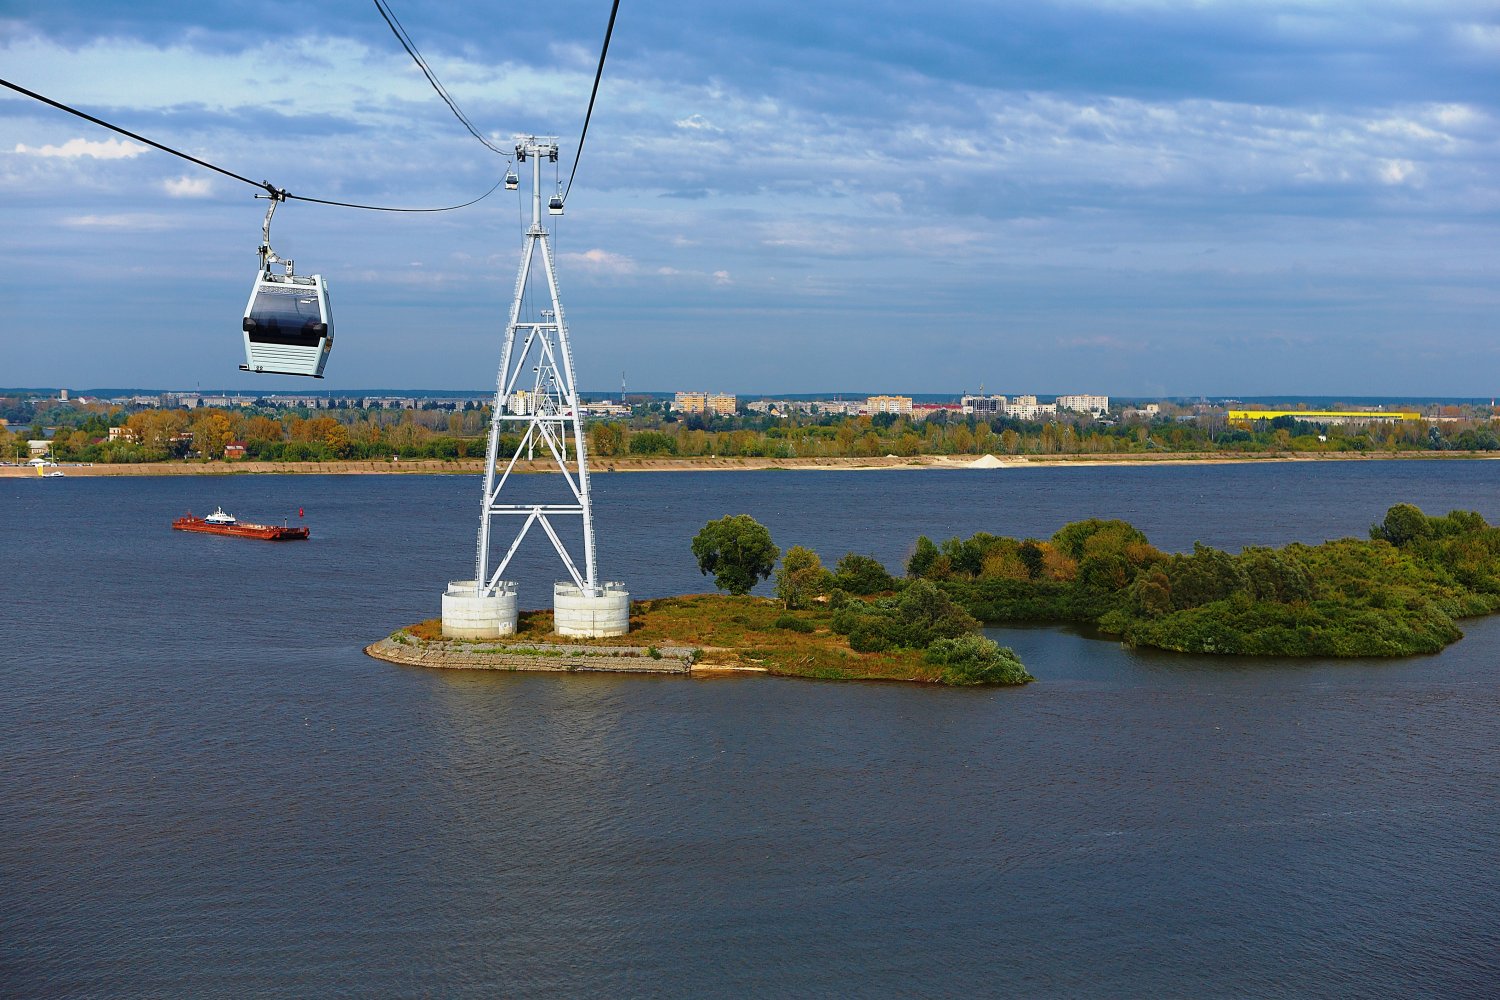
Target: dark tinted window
[(285, 314)]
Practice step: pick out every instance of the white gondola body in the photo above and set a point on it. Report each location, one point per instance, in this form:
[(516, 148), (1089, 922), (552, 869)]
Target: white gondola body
[(288, 325)]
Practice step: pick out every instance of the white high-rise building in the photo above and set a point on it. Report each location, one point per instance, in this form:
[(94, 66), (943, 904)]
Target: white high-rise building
[(1026, 407), (1083, 403)]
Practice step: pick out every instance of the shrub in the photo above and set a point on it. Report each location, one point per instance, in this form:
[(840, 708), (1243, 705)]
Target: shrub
[(920, 614), (794, 624), (973, 659)]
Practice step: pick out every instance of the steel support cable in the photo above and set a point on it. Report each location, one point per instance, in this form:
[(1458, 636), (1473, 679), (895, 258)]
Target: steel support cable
[(138, 138), (267, 186), (399, 31), (598, 73), (382, 208)]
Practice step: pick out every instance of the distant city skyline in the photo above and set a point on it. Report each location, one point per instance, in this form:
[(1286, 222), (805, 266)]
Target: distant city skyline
[(115, 392), (1146, 198)]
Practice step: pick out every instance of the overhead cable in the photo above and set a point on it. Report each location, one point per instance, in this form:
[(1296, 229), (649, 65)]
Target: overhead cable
[(411, 49), (127, 132), (604, 51), (266, 186)]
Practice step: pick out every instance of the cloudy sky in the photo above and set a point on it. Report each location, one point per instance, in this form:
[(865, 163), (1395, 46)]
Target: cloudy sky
[(1128, 196)]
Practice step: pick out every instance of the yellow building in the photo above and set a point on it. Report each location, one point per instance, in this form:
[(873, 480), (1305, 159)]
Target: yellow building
[(889, 404), (1325, 416), (721, 403)]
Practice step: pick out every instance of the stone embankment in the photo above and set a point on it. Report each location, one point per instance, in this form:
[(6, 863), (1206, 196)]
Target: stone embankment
[(403, 648)]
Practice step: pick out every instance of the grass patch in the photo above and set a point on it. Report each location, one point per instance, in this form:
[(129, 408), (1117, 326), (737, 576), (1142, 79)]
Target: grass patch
[(734, 631)]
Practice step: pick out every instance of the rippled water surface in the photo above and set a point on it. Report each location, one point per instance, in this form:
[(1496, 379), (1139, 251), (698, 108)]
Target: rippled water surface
[(208, 790)]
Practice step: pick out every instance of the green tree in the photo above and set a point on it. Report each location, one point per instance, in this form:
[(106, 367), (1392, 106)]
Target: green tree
[(337, 439), (1112, 536), (1152, 593), (1207, 575), (737, 550), (922, 557), (800, 578), (1033, 558), (1275, 576), (1404, 524), (653, 443), (858, 574), (607, 440)]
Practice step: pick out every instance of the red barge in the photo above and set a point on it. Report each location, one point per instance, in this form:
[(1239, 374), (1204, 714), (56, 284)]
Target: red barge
[(220, 523)]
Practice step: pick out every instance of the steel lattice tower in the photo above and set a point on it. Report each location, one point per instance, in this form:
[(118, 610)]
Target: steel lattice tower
[(536, 396)]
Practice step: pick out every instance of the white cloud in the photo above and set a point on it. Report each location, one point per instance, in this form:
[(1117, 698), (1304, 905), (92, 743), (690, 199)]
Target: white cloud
[(102, 149), (696, 121), (599, 261), (722, 278), (1396, 171), (120, 220), (1484, 37), (356, 82), (188, 187)]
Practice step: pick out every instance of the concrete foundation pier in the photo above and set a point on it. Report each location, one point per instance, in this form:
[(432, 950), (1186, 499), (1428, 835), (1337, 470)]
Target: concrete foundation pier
[(469, 616), (575, 613)]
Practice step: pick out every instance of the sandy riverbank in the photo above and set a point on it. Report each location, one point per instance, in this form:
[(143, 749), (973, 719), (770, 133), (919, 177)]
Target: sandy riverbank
[(473, 466)]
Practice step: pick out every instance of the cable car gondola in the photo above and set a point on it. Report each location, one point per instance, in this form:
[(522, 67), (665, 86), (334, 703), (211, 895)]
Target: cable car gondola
[(555, 206), (511, 180), (288, 323)]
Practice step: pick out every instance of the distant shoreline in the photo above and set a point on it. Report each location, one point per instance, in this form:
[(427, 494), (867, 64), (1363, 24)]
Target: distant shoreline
[(473, 466)]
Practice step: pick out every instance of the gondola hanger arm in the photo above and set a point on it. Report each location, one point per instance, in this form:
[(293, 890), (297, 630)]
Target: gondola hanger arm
[(268, 256)]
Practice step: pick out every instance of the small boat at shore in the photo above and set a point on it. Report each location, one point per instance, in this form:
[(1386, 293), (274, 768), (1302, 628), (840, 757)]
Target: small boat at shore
[(221, 523)]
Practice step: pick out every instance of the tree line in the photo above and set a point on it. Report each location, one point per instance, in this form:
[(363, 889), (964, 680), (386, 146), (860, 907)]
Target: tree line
[(867, 436), (156, 435), (274, 434)]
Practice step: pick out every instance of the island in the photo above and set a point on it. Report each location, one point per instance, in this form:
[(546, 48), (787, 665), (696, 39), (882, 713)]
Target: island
[(929, 640), (1399, 592)]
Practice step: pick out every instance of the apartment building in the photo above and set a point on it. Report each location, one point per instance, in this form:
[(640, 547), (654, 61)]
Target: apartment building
[(721, 403), (1083, 403), (889, 404)]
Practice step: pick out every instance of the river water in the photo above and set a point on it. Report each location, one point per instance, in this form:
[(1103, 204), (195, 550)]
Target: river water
[(207, 790)]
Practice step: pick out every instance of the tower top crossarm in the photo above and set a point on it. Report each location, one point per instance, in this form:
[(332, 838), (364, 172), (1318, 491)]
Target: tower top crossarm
[(536, 145)]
